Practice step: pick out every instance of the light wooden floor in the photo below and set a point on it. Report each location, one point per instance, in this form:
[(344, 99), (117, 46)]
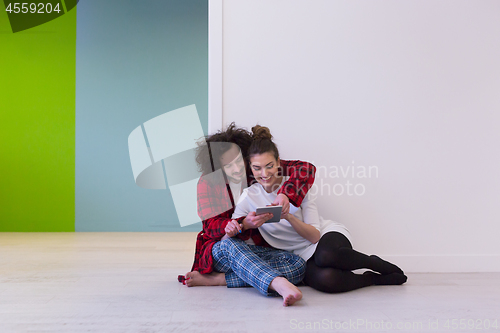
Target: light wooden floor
[(127, 282)]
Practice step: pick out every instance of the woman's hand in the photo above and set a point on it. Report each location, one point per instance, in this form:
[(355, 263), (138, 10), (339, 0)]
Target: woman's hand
[(282, 200), (253, 221), (232, 228)]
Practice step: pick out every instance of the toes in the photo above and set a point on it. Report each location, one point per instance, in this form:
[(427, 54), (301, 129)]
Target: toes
[(291, 299)]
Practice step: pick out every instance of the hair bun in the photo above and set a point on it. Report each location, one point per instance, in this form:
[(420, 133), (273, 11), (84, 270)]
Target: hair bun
[(261, 132)]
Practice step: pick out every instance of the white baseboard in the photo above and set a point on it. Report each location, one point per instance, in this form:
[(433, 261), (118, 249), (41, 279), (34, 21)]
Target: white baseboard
[(446, 264), (415, 263)]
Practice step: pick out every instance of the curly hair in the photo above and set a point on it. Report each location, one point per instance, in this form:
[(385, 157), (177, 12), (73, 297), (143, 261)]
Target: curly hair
[(208, 153)]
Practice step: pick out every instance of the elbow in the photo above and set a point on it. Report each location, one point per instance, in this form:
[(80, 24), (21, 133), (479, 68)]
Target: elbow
[(318, 236), (313, 170)]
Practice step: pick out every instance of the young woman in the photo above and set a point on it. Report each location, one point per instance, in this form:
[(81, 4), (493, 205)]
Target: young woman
[(325, 245)]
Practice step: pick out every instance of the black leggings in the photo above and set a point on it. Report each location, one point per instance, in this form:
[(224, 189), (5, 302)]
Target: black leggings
[(329, 269)]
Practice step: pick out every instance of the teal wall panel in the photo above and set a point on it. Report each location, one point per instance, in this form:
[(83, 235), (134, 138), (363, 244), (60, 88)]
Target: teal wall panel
[(135, 60)]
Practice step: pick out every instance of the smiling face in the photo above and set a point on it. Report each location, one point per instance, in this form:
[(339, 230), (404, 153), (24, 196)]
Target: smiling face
[(233, 164), (265, 169)]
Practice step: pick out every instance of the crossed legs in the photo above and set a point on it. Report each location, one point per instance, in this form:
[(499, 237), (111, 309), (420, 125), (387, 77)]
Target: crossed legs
[(329, 269), (270, 271)]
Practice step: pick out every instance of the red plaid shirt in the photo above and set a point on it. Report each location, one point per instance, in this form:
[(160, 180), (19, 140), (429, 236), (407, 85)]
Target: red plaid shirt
[(210, 196)]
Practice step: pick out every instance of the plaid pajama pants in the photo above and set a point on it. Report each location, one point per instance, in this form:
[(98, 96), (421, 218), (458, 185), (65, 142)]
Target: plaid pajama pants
[(250, 265)]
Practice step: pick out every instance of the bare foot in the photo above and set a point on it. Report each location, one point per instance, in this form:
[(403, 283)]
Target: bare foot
[(194, 279), (290, 293)]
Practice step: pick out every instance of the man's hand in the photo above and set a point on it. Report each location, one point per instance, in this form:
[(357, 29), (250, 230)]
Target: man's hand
[(232, 228), (253, 221), (282, 200)]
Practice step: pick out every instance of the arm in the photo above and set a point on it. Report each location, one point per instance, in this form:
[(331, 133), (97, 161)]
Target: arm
[(305, 230), (213, 208), (244, 212), (301, 179), (215, 227), (309, 228)]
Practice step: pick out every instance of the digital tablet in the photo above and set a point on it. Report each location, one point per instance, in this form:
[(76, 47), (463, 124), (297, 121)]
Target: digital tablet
[(275, 210)]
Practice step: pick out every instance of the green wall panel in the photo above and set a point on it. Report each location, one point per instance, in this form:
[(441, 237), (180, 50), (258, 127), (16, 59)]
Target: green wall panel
[(37, 121)]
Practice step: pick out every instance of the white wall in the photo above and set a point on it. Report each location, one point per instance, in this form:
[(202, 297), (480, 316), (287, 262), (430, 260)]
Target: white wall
[(411, 87)]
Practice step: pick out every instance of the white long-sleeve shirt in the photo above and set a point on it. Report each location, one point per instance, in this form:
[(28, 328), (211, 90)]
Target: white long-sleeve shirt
[(282, 235)]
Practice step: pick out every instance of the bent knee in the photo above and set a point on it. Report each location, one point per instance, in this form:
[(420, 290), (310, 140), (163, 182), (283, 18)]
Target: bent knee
[(230, 244), (328, 280)]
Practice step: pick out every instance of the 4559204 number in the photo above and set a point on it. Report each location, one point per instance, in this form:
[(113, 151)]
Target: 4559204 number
[(478, 324), (39, 8)]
